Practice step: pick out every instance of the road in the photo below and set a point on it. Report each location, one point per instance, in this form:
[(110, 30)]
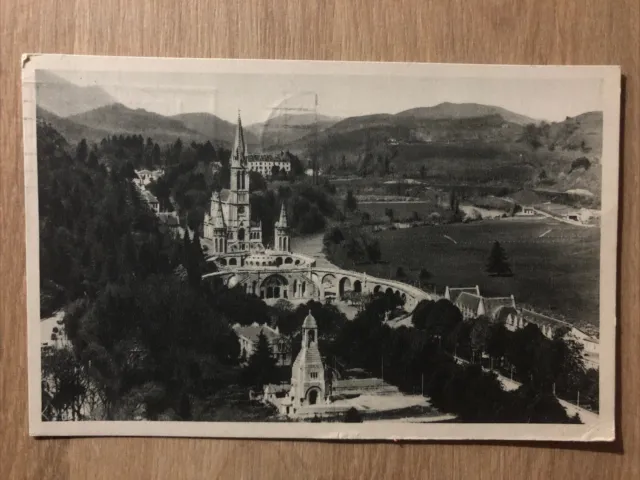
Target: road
[(586, 416)]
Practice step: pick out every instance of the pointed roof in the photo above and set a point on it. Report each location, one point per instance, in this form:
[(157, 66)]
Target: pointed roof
[(309, 321), (282, 222), (239, 152), (218, 221)]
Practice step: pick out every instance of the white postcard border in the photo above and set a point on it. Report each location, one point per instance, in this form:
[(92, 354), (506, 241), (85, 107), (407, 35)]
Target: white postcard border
[(602, 430)]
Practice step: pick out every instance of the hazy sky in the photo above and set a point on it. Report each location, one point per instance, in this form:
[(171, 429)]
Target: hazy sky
[(261, 96)]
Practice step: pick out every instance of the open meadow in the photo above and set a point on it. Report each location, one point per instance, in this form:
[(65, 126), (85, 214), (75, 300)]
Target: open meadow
[(555, 265)]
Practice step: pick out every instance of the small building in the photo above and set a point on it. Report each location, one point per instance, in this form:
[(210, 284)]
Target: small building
[(308, 385), (472, 305), (526, 211), (265, 163), (151, 200), (169, 220), (248, 338)]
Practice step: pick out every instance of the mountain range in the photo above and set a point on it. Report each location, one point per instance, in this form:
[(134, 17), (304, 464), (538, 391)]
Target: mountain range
[(64, 98), (458, 141)]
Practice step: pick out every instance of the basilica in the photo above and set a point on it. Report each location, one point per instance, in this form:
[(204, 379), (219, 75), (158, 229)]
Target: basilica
[(228, 224)]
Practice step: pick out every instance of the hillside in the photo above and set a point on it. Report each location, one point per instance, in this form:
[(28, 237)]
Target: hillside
[(70, 130), (64, 98), (281, 130), (214, 128), (465, 110), (119, 119)]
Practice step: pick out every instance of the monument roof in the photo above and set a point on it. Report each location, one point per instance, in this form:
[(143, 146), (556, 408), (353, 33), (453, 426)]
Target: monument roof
[(309, 321)]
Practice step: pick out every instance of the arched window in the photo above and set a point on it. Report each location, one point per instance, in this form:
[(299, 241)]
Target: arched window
[(241, 235)]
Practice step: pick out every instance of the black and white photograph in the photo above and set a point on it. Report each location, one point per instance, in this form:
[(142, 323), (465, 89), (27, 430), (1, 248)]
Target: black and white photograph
[(321, 250)]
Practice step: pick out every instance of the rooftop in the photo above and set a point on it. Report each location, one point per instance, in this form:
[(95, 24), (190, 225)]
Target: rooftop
[(309, 321), (455, 291), (252, 332), (469, 301)]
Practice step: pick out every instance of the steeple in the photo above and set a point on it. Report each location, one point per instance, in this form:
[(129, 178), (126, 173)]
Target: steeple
[(218, 221), (239, 152), (282, 222), (281, 235)]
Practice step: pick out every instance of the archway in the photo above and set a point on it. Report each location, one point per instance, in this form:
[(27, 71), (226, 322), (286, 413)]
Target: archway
[(223, 261), (389, 291), (329, 285), (278, 261), (357, 286), (377, 289), (233, 261), (276, 286), (312, 396), (345, 285), (288, 260)]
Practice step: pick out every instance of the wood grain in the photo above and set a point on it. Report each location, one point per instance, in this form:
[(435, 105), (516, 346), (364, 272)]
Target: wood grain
[(480, 31)]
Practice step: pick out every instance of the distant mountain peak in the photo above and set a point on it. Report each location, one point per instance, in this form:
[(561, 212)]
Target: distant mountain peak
[(450, 110), (64, 98)]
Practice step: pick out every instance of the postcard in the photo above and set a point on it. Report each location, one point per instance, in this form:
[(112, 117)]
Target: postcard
[(320, 250)]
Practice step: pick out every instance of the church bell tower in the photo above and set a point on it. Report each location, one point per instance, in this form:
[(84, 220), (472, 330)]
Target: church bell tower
[(281, 237)]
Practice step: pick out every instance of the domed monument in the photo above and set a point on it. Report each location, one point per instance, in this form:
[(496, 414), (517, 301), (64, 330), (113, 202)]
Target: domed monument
[(308, 385)]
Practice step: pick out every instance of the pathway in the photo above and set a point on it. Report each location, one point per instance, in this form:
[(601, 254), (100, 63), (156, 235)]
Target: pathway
[(311, 246), (586, 416)]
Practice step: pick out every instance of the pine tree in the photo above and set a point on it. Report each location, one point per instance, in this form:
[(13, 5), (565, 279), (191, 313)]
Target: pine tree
[(498, 264), (261, 368), (425, 276), (82, 151)]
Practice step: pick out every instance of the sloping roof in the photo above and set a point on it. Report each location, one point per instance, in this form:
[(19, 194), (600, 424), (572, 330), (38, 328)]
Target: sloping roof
[(493, 304), (454, 292), (252, 332), (149, 197), (469, 301), (308, 355)]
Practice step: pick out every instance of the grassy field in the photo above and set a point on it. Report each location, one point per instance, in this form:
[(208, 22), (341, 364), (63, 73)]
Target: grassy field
[(556, 266), (401, 210)]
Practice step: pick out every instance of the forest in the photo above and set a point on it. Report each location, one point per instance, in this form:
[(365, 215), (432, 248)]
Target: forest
[(150, 340)]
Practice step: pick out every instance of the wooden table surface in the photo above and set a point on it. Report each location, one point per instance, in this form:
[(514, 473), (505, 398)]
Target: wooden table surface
[(473, 31)]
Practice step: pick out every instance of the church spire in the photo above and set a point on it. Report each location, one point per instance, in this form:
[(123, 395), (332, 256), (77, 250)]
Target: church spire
[(283, 222), (218, 221), (239, 152)]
